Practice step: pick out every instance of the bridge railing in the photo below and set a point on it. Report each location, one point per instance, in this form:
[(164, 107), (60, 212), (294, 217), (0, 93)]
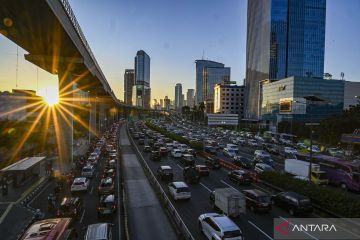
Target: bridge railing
[(76, 25)]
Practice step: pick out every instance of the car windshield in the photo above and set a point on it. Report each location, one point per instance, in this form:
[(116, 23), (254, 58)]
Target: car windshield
[(167, 171), (107, 204), (78, 183), (86, 169), (232, 234)]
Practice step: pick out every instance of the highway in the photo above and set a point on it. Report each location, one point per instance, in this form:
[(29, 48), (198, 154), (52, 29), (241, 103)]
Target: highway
[(90, 200), (254, 225)]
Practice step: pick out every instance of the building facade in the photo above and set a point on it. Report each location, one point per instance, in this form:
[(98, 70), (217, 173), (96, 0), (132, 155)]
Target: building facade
[(283, 100), (222, 119), (201, 66), (129, 82), (229, 99), (351, 94), (190, 98), (167, 103), (141, 90), (284, 38), (178, 97)]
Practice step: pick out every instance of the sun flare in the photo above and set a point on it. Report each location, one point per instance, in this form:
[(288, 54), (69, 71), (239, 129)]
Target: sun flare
[(51, 96)]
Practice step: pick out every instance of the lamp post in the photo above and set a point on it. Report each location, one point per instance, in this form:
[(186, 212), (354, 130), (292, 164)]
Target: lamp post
[(311, 99)]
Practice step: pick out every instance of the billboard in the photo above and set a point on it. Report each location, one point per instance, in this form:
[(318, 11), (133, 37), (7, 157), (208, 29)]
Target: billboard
[(285, 106)]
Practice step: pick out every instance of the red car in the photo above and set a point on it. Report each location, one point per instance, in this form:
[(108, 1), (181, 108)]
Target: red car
[(163, 151), (202, 170), (106, 186)]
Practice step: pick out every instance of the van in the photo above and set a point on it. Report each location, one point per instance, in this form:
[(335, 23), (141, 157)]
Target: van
[(98, 231)]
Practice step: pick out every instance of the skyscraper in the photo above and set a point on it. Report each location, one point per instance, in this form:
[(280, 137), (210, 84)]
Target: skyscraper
[(141, 90), (201, 66), (178, 97), (190, 97), (129, 81), (284, 38)]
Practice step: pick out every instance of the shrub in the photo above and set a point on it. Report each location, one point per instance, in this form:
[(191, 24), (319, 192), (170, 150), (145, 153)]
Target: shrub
[(333, 200)]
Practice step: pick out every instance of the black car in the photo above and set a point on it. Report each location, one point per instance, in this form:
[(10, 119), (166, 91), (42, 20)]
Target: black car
[(187, 160), (243, 162), (240, 177), (294, 203), (165, 173), (147, 148), (155, 156), (191, 175), (212, 163), (70, 207), (257, 200), (141, 141), (210, 149), (264, 159)]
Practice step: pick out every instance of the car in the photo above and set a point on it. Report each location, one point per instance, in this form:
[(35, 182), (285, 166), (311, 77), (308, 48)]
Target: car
[(264, 159), (243, 162), (106, 186), (98, 231), (107, 205), (257, 200), (179, 190), (202, 170), (252, 143), (147, 148), (70, 207), (141, 141), (176, 153), (212, 162), (191, 175), (155, 156), (290, 150), (187, 160), (229, 152), (80, 184), (110, 164), (165, 173), (163, 151), (262, 167), (218, 226), (301, 145), (315, 149), (88, 171), (210, 149), (294, 203), (240, 176), (261, 153), (191, 151), (109, 173)]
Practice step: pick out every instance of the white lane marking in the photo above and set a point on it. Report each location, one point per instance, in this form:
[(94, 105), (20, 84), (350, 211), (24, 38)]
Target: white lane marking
[(179, 166), (82, 216), (205, 187), (259, 229), (37, 195), (228, 185), (302, 231), (91, 189)]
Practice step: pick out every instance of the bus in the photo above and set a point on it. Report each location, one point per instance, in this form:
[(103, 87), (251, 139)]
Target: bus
[(51, 229), (345, 174)]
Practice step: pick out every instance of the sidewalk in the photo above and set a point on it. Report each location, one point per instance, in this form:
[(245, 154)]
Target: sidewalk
[(146, 217)]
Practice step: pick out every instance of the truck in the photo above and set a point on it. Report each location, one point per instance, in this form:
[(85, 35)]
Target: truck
[(229, 201), (301, 170)]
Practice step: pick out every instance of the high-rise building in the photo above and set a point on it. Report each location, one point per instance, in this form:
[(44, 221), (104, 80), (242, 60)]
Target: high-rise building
[(229, 99), (213, 76), (201, 66), (141, 89), (284, 38), (167, 103), (129, 81), (178, 96), (190, 98), (162, 103)]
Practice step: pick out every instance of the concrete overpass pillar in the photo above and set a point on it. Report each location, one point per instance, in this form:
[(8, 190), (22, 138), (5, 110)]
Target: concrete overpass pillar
[(65, 119)]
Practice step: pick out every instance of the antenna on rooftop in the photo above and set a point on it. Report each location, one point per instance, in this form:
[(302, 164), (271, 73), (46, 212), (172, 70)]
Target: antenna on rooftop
[(203, 55)]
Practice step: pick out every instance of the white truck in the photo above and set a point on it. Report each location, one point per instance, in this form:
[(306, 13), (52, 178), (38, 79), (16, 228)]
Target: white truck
[(228, 200), (301, 169)]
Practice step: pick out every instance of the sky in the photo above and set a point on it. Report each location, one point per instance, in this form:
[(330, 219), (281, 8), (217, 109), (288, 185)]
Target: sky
[(175, 33)]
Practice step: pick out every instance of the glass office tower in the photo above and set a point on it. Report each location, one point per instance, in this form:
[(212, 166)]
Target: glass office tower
[(201, 66), (142, 88), (284, 38)]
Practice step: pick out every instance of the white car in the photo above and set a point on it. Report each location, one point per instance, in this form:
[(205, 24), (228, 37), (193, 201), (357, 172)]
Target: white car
[(229, 152), (88, 171), (262, 167), (290, 150), (176, 153), (315, 149), (252, 143), (261, 153), (179, 190), (216, 226), (80, 184)]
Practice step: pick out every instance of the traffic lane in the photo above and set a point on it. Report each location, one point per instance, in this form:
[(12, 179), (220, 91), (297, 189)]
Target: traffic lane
[(199, 202)]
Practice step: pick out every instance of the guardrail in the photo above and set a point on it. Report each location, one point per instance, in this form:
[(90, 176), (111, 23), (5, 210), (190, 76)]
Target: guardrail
[(179, 223)]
